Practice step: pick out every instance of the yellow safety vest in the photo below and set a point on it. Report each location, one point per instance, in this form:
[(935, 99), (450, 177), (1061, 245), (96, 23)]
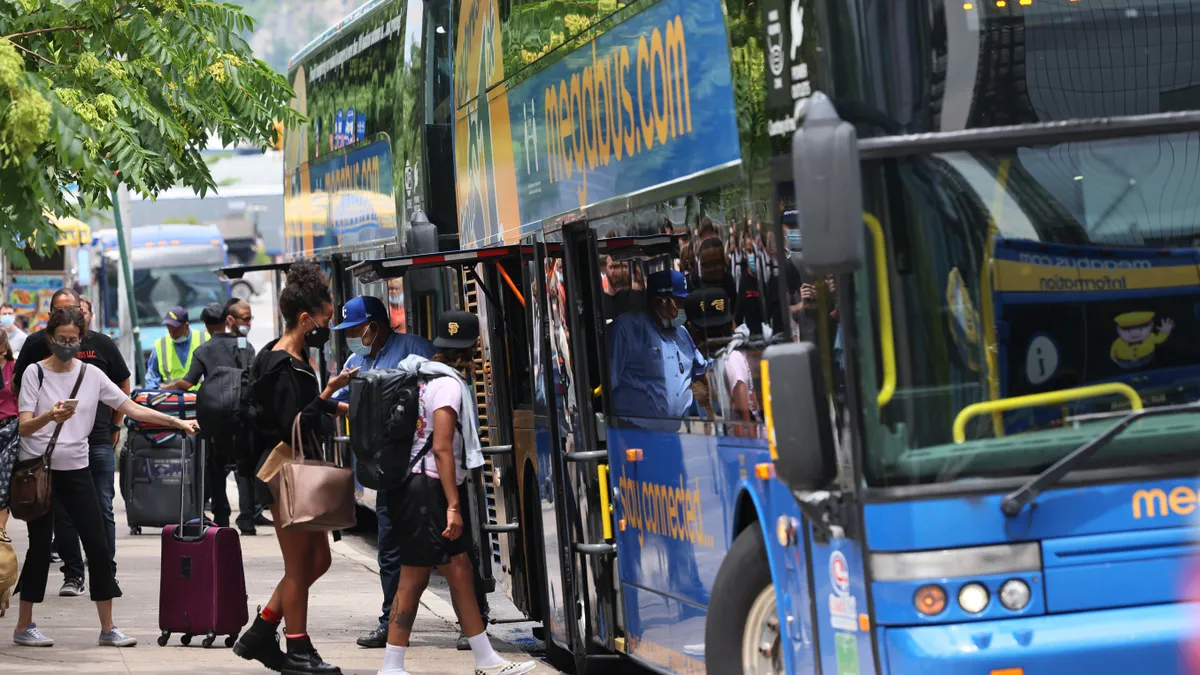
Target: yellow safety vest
[(169, 367)]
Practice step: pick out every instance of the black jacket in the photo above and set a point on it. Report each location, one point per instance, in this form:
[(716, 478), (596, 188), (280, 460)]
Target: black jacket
[(284, 387)]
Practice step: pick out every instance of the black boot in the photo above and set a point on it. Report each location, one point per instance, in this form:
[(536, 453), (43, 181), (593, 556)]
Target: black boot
[(260, 643), (302, 658)]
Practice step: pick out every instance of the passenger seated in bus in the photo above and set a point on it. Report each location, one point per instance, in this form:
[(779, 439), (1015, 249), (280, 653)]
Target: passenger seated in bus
[(728, 380), (652, 358), (433, 524)]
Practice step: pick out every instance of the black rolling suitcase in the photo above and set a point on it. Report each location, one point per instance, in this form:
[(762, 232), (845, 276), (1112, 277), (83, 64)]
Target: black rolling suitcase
[(154, 464)]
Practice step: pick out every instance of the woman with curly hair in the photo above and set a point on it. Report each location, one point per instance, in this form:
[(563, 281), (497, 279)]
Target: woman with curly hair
[(286, 385)]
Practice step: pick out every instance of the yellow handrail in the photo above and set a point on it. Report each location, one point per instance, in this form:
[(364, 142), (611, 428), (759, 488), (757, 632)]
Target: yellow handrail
[(887, 339), (605, 506), (1048, 398)]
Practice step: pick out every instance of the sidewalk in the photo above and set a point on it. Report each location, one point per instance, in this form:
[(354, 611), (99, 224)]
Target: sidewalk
[(345, 602)]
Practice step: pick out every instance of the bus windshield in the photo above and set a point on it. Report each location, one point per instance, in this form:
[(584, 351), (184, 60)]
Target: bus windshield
[(1033, 270), (158, 290)]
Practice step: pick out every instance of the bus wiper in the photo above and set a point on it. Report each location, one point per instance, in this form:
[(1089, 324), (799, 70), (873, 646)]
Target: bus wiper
[(1014, 501)]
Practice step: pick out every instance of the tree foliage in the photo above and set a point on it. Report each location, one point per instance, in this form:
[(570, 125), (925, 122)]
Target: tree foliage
[(98, 91)]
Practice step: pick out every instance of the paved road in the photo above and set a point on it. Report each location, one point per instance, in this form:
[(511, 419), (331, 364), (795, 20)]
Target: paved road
[(344, 602)]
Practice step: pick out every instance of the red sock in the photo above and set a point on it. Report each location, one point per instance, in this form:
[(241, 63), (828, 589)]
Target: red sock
[(269, 616), (297, 636)]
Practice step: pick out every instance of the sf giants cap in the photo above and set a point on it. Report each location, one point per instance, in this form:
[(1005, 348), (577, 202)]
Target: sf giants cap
[(457, 330), (667, 282), (176, 317), (709, 307)]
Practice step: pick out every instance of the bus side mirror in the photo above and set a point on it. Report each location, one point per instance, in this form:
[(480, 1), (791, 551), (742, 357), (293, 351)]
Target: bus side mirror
[(798, 419), (828, 182)]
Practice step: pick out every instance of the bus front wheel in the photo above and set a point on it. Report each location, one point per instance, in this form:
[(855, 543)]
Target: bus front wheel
[(742, 632)]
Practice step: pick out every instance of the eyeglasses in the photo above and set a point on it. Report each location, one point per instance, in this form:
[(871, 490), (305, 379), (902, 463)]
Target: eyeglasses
[(69, 343)]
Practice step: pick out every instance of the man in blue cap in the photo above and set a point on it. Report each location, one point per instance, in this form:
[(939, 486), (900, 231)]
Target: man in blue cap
[(367, 325), (652, 358), (171, 358)]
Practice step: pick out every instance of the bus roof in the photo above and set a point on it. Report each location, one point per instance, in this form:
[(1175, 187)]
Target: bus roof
[(329, 33), (163, 235)]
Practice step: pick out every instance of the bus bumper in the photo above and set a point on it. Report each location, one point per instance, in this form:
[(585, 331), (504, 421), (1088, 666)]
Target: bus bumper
[(1131, 640)]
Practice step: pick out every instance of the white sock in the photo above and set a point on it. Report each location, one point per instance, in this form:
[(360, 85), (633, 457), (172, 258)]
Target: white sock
[(393, 660), (481, 647)]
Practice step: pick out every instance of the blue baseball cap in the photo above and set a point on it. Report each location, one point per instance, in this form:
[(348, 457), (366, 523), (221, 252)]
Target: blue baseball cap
[(362, 309), (176, 317), (667, 282)]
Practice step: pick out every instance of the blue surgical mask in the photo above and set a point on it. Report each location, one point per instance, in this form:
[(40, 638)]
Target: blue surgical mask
[(8, 320), (356, 345), (679, 319), (182, 340), (794, 239)]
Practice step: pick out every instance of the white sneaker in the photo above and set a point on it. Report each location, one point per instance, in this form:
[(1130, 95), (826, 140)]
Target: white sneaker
[(32, 637), (507, 668), (391, 672)]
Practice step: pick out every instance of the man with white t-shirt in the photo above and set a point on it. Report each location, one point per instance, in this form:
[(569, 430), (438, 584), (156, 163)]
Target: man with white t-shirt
[(729, 383), (8, 321)]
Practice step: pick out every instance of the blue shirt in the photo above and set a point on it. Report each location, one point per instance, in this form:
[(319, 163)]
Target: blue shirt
[(397, 348), (651, 370), (153, 379)]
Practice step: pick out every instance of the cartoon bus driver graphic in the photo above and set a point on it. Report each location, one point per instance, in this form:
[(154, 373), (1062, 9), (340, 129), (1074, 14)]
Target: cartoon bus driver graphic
[(1137, 339)]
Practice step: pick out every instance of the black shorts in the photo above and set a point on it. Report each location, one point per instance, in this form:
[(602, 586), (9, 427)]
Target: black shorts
[(418, 515)]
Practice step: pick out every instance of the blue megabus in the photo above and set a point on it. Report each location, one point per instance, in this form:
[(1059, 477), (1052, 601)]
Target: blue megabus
[(1006, 485)]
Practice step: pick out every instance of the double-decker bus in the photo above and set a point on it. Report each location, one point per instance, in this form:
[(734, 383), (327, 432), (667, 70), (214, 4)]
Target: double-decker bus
[(371, 173), (1009, 486)]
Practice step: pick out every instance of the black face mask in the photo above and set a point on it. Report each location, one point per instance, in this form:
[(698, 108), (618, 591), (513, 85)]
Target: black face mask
[(64, 354), (317, 337)]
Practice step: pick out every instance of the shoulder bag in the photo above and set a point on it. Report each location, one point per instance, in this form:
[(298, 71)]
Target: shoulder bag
[(30, 493), (313, 495)]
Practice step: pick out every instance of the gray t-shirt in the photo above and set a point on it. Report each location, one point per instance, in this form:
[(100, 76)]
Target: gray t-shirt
[(71, 452)]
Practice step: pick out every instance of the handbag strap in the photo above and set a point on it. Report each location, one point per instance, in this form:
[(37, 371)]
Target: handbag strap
[(58, 428)]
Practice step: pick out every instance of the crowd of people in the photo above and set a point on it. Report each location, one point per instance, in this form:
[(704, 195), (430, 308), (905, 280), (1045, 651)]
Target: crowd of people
[(68, 391)]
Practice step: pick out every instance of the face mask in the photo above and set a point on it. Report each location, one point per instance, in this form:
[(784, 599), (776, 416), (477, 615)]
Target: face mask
[(356, 345), (182, 339), (7, 320), (64, 354), (243, 330), (317, 337), (680, 319), (794, 239)]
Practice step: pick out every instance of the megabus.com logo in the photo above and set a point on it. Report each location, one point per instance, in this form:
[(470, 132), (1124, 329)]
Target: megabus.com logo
[(1180, 501)]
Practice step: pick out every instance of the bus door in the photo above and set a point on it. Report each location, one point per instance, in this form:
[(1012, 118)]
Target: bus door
[(484, 282), (584, 613)]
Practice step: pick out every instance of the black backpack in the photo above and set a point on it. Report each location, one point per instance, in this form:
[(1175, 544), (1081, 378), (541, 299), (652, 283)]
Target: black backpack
[(225, 406), (384, 407)]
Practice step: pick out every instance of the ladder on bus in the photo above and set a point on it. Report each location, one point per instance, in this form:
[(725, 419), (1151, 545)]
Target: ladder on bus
[(471, 297)]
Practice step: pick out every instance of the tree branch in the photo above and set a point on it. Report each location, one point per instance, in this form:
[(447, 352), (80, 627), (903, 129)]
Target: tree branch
[(33, 53), (42, 30)]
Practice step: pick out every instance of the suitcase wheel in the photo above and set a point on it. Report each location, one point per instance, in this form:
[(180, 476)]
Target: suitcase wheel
[(164, 638), (231, 640), (208, 641), (135, 531), (185, 639)]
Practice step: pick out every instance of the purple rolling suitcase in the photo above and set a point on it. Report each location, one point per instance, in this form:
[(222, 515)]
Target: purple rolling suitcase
[(202, 588)]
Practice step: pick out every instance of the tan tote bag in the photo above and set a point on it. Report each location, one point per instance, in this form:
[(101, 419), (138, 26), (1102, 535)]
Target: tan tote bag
[(313, 495)]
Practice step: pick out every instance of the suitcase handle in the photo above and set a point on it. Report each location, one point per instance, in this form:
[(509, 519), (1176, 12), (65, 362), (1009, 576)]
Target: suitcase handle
[(179, 532)]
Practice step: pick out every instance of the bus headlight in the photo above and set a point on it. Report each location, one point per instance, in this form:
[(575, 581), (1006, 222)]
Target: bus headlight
[(1014, 594), (973, 598), (930, 600)]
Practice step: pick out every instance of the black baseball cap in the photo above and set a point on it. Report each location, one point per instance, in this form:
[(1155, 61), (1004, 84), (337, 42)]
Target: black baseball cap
[(213, 313), (457, 330), (708, 307)]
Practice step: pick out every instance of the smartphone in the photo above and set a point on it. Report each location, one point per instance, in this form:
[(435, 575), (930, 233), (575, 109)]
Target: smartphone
[(71, 403)]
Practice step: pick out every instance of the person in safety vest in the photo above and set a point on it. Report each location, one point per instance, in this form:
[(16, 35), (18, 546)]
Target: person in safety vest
[(172, 355)]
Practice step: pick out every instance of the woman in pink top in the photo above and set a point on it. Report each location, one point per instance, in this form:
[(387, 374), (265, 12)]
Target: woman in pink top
[(8, 401)]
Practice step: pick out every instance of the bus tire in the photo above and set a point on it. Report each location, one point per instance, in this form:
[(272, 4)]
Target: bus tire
[(744, 578)]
